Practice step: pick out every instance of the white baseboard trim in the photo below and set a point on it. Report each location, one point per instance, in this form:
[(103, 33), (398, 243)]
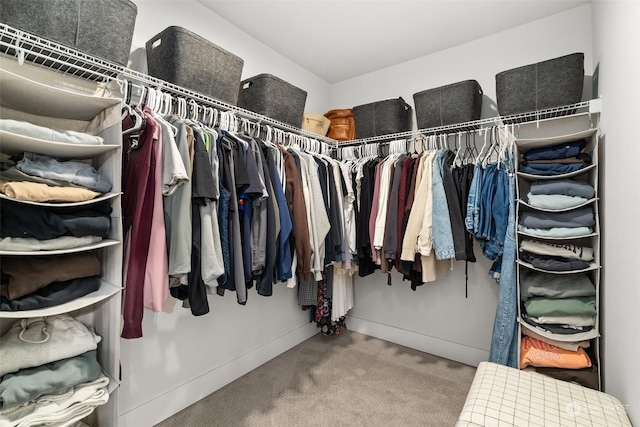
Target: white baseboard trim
[(179, 398), (436, 346)]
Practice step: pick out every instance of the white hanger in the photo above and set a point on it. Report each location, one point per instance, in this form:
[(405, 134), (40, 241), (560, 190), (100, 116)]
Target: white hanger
[(151, 98), (458, 148), (138, 118), (486, 132)]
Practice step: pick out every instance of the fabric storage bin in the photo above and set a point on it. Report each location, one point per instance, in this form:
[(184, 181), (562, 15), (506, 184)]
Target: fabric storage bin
[(548, 84), (99, 28), (186, 59), (448, 105), (273, 97), (382, 118)]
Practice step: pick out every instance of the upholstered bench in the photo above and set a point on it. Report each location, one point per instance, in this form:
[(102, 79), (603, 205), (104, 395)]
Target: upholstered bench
[(502, 396)]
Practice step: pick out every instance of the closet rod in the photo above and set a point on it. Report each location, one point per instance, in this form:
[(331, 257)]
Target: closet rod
[(575, 110), (47, 54)]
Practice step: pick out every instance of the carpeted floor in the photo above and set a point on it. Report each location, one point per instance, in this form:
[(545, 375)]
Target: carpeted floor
[(346, 380)]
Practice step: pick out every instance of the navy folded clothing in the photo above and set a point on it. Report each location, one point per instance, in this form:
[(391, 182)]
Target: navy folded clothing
[(559, 151), (550, 169), (552, 263), (52, 295), (21, 220), (567, 187)]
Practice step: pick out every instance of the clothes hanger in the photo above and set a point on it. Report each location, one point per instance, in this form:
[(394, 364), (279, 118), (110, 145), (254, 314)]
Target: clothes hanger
[(224, 120), (486, 132), (493, 148), (193, 110), (154, 100), (473, 152), (206, 116), (138, 119), (458, 149), (162, 107), (126, 95)]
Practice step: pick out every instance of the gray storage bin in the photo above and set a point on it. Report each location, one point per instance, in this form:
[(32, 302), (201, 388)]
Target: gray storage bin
[(448, 105), (186, 59), (99, 28), (273, 97), (548, 84), (382, 118)]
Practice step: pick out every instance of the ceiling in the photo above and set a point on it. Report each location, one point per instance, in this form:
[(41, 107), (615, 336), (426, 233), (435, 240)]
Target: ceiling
[(337, 40)]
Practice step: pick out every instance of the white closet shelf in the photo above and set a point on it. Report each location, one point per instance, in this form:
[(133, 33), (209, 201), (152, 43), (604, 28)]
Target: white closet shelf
[(107, 196), (13, 143), (22, 94), (113, 383), (580, 336), (526, 144), (592, 266), (106, 290), (46, 54), (101, 244), (566, 112), (535, 208), (535, 236)]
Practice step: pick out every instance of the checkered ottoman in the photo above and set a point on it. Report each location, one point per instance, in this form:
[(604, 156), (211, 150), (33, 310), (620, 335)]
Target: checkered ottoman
[(502, 396)]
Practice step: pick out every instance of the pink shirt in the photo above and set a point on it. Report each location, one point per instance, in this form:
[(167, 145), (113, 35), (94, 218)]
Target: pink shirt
[(156, 274)]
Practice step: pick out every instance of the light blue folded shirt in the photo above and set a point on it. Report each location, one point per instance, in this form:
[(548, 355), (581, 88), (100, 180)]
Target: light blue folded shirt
[(47, 134), (554, 201), (70, 171)]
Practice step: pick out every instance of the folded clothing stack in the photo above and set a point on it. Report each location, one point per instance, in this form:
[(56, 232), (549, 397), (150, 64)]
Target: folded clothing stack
[(49, 372), (29, 283), (555, 257), (557, 159)]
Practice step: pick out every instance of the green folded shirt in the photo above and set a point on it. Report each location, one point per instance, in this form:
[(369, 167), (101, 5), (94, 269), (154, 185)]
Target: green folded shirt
[(579, 306)]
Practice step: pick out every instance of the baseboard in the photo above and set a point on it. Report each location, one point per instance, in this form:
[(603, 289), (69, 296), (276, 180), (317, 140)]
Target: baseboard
[(436, 346), (179, 398)]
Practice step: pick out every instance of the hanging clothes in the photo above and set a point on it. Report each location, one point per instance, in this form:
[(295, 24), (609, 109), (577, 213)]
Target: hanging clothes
[(138, 182)]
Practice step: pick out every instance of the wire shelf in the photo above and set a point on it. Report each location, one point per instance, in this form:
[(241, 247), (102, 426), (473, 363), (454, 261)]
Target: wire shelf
[(47, 54), (581, 108)]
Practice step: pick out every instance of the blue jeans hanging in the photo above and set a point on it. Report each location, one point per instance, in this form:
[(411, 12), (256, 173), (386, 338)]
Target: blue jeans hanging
[(504, 341)]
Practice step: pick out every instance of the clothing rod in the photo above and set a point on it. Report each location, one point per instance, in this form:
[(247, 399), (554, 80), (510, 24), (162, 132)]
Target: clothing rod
[(47, 54), (591, 107)]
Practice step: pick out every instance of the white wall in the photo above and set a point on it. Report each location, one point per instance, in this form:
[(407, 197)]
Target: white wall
[(437, 318), (616, 38), (156, 15), (481, 60), (182, 358)]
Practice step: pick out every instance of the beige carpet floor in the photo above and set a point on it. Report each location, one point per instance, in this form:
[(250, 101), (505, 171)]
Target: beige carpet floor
[(345, 380)]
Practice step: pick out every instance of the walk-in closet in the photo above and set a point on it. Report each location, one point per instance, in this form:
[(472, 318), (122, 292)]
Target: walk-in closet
[(380, 213)]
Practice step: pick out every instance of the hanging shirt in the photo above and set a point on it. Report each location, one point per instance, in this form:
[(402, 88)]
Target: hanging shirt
[(202, 192), (156, 282), (297, 207), (138, 181), (177, 210), (284, 261)]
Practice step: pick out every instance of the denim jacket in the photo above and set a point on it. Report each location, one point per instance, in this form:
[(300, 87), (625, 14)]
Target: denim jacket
[(442, 233)]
